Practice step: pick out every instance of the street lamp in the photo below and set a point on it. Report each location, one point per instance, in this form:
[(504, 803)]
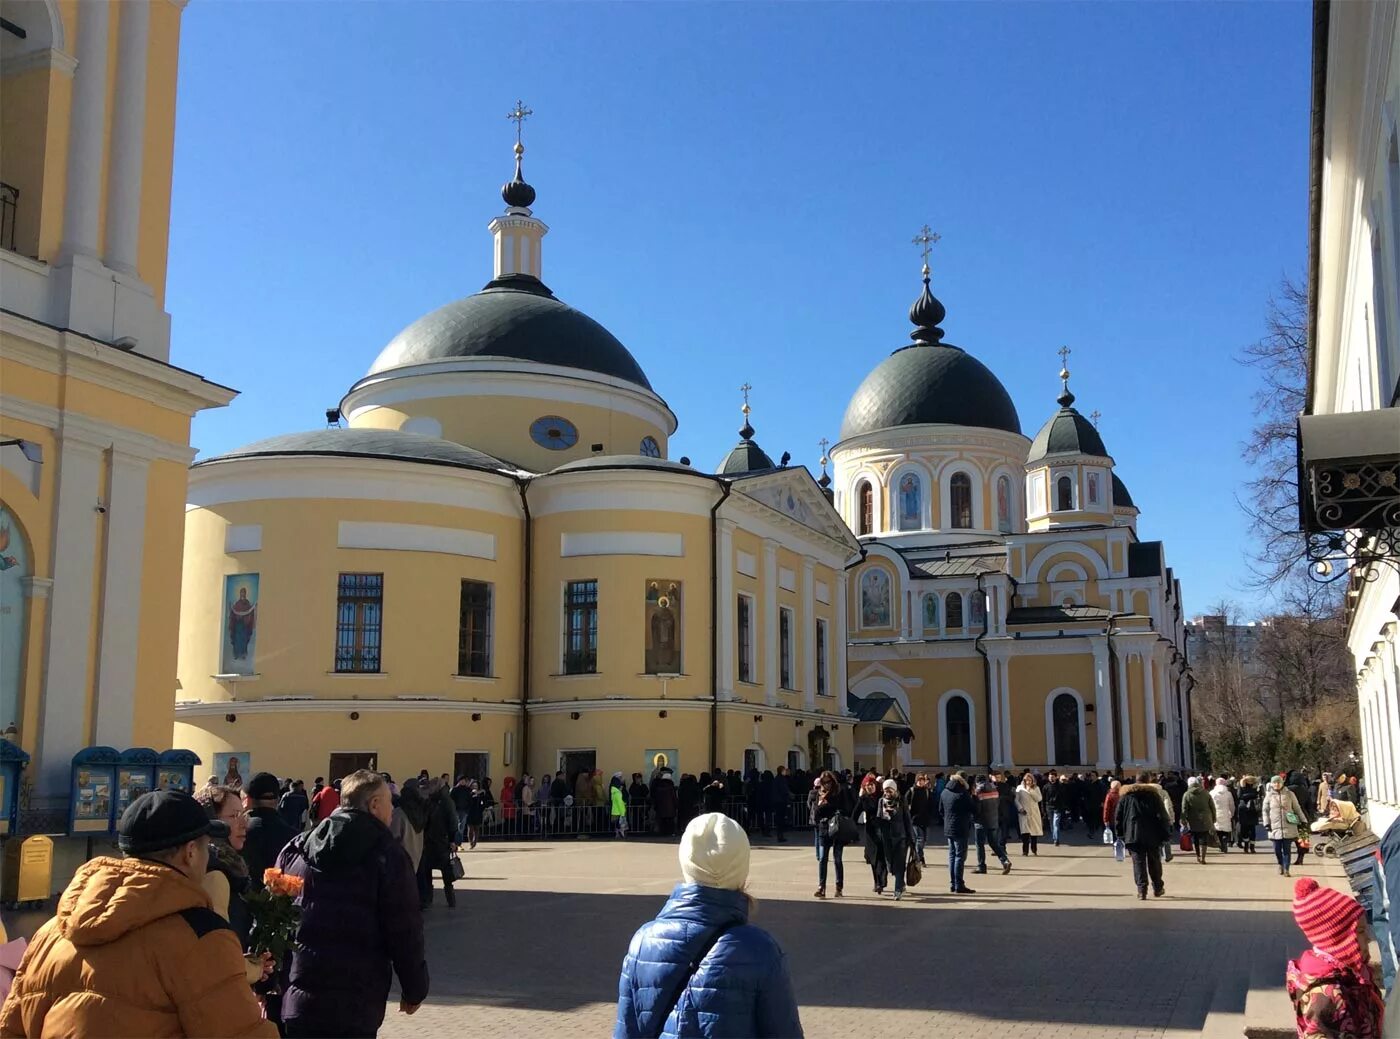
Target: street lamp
[(32, 451)]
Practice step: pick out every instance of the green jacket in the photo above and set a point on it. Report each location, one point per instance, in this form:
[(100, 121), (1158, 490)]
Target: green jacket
[(619, 804), (1198, 810)]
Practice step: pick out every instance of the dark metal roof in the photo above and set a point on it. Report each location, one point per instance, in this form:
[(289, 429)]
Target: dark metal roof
[(1056, 615), (368, 443), (627, 462), (1067, 433), (518, 318), (1145, 559), (958, 566), (746, 457), (930, 384), (1121, 498), (870, 708)]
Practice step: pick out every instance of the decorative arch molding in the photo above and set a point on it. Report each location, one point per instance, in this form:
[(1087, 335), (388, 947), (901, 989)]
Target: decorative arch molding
[(1049, 554), (1050, 725), (943, 702), (762, 756), (801, 755), (1066, 570), (979, 493), (42, 21), (877, 501), (926, 495)]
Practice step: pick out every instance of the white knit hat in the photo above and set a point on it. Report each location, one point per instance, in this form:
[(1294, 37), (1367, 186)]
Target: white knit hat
[(715, 852), (890, 784)]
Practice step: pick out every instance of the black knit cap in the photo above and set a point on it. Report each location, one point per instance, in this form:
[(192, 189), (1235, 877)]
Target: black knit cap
[(165, 819)]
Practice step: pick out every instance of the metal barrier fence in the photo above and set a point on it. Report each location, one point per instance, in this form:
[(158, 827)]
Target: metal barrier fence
[(553, 821)]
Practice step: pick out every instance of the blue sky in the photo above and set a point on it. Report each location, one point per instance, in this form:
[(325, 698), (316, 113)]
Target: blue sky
[(732, 189)]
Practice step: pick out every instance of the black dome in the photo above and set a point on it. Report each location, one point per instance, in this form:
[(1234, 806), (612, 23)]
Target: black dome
[(1121, 498), (930, 384), (746, 457), (1067, 433), (367, 443), (514, 317)]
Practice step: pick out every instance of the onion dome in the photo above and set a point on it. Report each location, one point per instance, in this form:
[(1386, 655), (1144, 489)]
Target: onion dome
[(518, 194), (1068, 432), (1121, 498), (747, 456), (931, 382)]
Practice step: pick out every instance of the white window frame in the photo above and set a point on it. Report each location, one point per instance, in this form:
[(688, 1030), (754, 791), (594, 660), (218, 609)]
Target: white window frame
[(823, 649), (787, 659), (752, 639)]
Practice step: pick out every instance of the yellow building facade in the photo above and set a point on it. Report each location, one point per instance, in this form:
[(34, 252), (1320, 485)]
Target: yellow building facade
[(494, 568), (94, 419)]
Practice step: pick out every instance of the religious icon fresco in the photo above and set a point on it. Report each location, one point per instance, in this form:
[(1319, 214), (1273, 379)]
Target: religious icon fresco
[(663, 632), (910, 503), (875, 599), (239, 645)]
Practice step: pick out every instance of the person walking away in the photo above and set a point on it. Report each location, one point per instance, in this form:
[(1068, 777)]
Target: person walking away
[(1224, 803), (409, 820), (1110, 808), (830, 802), (988, 823), (1198, 813), (461, 795), (617, 806), (700, 968), (920, 801), (294, 806), (867, 804), (663, 800), (268, 831), (1331, 984), (1007, 789), (1247, 812), (326, 801), (1061, 807), (895, 832), (360, 921), (1346, 790), (1028, 818), (1324, 794), (781, 797), (439, 837), (958, 811), (1282, 817), (1143, 824), (135, 949), (638, 797)]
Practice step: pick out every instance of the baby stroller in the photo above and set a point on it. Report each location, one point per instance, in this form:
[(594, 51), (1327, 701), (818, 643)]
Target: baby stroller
[(1337, 827)]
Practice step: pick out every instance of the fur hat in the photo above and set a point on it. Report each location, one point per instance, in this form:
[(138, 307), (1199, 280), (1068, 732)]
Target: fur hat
[(714, 852)]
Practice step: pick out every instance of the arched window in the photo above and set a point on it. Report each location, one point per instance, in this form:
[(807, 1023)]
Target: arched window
[(954, 610), (957, 724), (1064, 494), (1064, 713), (960, 499), (977, 603), (911, 502), (1004, 504), (930, 611), (865, 508)]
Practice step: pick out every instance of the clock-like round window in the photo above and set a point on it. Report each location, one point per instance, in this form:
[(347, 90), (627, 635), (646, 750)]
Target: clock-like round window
[(553, 432), (650, 448)]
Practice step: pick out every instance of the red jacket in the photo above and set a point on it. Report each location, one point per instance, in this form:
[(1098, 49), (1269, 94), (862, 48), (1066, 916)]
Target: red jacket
[(1110, 806), (324, 803)]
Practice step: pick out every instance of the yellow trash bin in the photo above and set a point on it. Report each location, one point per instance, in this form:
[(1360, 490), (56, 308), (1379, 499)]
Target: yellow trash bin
[(28, 870)]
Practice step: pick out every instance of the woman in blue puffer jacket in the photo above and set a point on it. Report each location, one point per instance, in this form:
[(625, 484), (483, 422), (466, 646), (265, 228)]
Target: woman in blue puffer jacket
[(700, 970)]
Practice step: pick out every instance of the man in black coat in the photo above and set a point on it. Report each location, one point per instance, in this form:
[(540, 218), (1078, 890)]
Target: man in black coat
[(988, 821), (957, 828), (1143, 824), (268, 831)]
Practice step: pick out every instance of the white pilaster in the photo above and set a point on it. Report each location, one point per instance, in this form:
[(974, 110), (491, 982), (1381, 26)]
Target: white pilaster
[(728, 634), (86, 132), (1149, 699), (809, 633), (770, 620), (1004, 687), (1103, 707), (121, 594), (839, 638), (1125, 714), (994, 703), (128, 138), (67, 674)]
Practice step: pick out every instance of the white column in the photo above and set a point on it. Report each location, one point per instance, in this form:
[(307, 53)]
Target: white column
[(1149, 698), (839, 642), (128, 137), (86, 132), (67, 673), (1004, 687), (994, 703), (809, 633), (728, 634), (1391, 675), (1125, 714), (770, 620), (121, 592), (1103, 706)]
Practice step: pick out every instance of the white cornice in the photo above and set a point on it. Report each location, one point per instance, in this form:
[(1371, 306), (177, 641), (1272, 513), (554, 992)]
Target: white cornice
[(74, 427), (639, 490), (901, 441), (314, 705), (47, 58)]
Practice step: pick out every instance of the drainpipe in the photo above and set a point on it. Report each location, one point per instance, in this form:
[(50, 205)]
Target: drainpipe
[(714, 623), (986, 668), (523, 486)]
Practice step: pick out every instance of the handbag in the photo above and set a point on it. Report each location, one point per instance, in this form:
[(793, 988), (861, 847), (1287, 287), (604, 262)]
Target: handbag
[(459, 872), (841, 831), (913, 872), (662, 1012), (1185, 840)]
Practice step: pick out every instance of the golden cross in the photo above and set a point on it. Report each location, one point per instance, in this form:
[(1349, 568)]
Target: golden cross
[(823, 443), (925, 239), (744, 389), (1064, 353), (1094, 416), (518, 116)]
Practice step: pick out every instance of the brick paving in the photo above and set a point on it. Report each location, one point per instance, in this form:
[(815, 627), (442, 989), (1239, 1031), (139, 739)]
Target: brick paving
[(1059, 948)]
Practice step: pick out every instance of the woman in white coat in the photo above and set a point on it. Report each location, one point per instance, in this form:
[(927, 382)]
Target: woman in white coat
[(1282, 816), (1224, 812), (1028, 815)]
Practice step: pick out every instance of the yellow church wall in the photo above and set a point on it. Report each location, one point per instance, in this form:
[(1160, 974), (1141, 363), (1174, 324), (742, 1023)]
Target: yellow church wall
[(500, 426), (26, 152), (158, 639), (1137, 708), (621, 739), (622, 581), (754, 588), (299, 564), (1032, 679), (27, 382), (776, 734), (404, 741)]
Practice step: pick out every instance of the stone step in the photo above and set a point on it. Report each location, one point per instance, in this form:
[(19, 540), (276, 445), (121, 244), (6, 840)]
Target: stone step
[(1268, 1012)]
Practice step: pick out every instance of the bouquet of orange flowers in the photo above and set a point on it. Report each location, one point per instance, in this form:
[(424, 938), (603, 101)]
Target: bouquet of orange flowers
[(275, 914)]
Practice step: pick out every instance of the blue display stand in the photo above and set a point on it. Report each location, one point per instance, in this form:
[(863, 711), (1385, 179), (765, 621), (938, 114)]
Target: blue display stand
[(12, 762), (176, 770), (93, 790), (136, 774)]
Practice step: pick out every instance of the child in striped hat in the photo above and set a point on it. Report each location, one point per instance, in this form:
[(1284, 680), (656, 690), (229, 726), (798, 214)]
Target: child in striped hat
[(1332, 985)]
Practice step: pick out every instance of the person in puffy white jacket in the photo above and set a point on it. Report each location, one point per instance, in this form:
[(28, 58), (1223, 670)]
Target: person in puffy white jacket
[(1224, 812)]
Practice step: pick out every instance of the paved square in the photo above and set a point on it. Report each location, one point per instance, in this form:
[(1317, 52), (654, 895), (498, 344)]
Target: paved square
[(1060, 947)]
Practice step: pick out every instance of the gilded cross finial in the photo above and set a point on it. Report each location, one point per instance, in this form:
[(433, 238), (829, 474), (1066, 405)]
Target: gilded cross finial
[(744, 389), (824, 443), (925, 240), (1064, 353), (518, 116), (1094, 417)]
